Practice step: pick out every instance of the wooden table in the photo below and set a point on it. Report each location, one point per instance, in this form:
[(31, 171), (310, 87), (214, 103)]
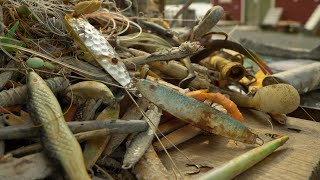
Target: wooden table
[(299, 158)]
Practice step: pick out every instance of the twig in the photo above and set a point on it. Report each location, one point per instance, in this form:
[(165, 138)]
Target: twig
[(184, 50), (115, 126), (19, 95), (132, 113), (37, 147)]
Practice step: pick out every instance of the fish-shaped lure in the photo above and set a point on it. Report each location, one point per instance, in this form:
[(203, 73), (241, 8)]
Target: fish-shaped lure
[(195, 112), (56, 137)]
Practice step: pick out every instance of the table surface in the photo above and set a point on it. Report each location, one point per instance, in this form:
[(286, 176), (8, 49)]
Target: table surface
[(299, 158)]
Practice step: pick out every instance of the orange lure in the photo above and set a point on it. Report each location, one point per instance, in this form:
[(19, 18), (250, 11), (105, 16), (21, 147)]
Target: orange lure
[(230, 106)]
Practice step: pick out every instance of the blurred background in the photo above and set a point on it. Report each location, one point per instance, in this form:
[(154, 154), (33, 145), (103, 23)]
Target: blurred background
[(292, 25), (286, 13)]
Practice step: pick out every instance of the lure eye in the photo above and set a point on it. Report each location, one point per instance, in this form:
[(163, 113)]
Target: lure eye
[(114, 60), (259, 141)]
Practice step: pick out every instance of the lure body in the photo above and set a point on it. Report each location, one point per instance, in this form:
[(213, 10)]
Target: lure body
[(195, 112), (99, 48), (231, 107), (142, 141), (57, 138)]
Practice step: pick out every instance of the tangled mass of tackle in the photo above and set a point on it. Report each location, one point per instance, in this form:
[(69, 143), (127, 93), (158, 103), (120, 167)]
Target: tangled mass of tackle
[(97, 90)]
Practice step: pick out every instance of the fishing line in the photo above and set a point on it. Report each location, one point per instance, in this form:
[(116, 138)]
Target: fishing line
[(151, 124)]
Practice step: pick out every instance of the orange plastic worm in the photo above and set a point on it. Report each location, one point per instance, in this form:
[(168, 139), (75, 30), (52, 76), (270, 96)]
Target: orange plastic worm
[(230, 106)]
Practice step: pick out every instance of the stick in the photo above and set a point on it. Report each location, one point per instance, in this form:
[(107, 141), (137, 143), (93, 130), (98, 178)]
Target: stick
[(184, 50), (115, 126), (37, 147)]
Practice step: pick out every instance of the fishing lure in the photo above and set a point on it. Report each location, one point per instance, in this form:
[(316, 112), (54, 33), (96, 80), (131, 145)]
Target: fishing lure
[(91, 40), (195, 112), (142, 141), (57, 138), (231, 107)]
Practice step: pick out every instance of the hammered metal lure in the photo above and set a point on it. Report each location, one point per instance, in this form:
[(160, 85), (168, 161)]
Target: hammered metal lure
[(91, 40)]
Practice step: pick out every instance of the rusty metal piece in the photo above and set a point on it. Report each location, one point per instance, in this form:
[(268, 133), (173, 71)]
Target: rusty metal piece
[(13, 120), (215, 45), (229, 70), (202, 95)]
